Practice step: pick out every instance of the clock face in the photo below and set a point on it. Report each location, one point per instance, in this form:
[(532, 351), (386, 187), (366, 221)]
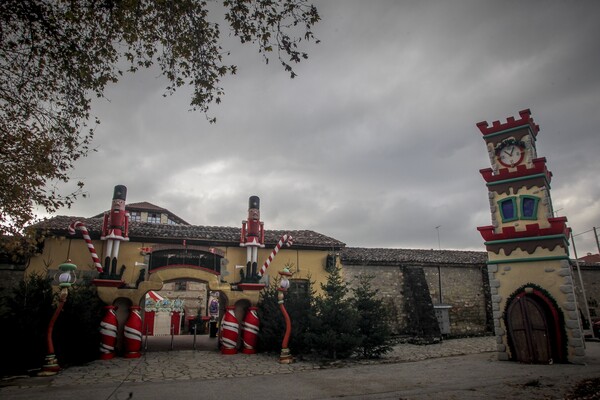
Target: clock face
[(511, 155)]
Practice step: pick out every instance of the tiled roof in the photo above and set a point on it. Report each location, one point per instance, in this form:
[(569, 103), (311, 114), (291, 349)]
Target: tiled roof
[(148, 207), (215, 235), (590, 259), (377, 256)]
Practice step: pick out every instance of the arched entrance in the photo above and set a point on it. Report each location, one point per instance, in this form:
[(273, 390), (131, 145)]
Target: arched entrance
[(534, 328), (196, 287)]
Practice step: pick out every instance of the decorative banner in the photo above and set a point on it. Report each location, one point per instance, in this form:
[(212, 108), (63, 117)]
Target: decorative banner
[(213, 305)]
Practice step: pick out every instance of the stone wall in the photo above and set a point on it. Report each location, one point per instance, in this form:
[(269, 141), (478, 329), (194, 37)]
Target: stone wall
[(389, 281), (464, 288), (590, 274)]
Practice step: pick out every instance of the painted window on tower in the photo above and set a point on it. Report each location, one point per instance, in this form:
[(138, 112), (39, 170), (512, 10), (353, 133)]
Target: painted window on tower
[(529, 205), (508, 209)]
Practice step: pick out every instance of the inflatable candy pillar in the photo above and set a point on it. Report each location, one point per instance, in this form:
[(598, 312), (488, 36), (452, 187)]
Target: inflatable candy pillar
[(251, 328), (133, 333), (108, 333), (229, 331)]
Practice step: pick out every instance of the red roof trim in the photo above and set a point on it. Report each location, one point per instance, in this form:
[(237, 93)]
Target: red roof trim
[(511, 122)]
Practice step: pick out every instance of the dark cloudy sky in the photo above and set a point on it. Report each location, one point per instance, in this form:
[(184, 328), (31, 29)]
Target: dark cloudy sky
[(374, 143)]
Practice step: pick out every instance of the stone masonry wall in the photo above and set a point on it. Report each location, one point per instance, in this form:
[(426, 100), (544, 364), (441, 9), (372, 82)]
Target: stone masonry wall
[(389, 281), (463, 287), (591, 278)]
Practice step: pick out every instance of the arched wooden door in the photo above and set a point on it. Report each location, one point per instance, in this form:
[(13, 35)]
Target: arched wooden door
[(529, 329)]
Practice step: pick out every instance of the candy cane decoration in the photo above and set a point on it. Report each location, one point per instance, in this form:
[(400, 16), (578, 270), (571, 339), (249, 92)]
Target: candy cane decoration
[(286, 239), (86, 236)]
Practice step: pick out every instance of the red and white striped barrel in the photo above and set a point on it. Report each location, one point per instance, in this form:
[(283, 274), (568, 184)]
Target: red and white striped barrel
[(133, 333), (251, 328), (108, 333), (229, 331)]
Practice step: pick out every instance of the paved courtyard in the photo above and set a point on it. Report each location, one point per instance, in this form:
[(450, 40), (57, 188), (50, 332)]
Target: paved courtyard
[(453, 369)]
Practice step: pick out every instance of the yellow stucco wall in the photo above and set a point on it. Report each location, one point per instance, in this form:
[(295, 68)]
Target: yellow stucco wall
[(305, 264)]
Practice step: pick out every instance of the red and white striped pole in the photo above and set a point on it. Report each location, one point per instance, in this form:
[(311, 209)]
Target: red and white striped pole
[(86, 236), (108, 333), (133, 333), (286, 239)]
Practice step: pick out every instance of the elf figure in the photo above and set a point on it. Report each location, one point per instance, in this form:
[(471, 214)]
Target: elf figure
[(253, 237)]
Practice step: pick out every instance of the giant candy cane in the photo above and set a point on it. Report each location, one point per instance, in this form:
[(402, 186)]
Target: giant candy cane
[(286, 239), (86, 236)]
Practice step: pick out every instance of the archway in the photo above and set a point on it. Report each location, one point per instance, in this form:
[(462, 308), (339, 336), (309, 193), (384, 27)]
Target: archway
[(534, 327)]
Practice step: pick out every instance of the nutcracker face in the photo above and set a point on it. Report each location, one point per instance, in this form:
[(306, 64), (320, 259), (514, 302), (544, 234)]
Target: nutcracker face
[(254, 214), (118, 212)]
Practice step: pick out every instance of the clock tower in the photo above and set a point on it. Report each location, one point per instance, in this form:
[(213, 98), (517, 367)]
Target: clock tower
[(535, 312)]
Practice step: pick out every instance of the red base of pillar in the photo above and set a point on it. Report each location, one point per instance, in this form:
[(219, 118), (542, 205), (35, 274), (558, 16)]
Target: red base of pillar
[(133, 355), (107, 356), (248, 351), (228, 351)]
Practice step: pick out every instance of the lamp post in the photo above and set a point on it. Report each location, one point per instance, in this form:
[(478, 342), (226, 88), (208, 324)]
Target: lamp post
[(285, 357), (65, 279)]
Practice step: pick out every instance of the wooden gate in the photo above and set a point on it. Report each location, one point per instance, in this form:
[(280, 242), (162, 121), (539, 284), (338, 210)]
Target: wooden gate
[(530, 330)]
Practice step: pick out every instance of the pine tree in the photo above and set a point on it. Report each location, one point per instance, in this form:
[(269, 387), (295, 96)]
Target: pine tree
[(299, 306), (334, 329), (372, 322)]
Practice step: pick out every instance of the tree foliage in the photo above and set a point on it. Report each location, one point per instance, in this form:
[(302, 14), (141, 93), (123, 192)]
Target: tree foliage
[(25, 313), (334, 327), (373, 328), (56, 55), (299, 306), (24, 319)]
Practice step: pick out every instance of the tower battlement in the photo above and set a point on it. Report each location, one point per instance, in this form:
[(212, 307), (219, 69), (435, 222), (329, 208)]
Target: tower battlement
[(510, 123)]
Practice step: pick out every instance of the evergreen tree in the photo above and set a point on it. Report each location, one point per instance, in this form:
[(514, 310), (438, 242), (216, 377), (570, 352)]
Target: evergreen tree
[(299, 306), (334, 328), (272, 325), (372, 322)]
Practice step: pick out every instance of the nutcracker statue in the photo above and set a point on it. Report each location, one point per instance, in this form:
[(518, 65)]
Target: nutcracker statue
[(115, 229), (253, 237)]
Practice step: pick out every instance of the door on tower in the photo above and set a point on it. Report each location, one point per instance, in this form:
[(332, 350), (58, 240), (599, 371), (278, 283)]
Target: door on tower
[(532, 329)]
